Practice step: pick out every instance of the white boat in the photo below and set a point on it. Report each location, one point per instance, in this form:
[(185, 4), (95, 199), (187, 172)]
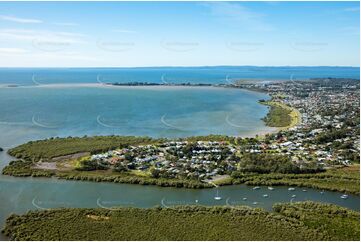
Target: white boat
[(255, 203), (256, 188), (291, 189), (293, 196), (322, 192), (244, 199), (344, 196), (304, 190), (217, 197), (270, 188), (265, 195)]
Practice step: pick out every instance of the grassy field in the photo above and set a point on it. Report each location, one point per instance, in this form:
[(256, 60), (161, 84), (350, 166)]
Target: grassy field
[(298, 221), (281, 115)]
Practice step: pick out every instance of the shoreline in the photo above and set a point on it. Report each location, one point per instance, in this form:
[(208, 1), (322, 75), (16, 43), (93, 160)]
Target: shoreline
[(307, 180), (152, 87), (131, 179), (294, 114)]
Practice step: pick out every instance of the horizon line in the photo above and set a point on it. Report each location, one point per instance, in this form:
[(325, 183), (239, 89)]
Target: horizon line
[(207, 66)]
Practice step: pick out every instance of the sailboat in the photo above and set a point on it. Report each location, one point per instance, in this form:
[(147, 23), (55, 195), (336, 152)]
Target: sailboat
[(344, 196), (217, 197)]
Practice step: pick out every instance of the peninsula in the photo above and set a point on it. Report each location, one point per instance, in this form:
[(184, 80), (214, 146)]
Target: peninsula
[(316, 146)]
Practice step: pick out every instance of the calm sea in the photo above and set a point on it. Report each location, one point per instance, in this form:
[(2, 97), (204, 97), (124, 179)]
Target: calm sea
[(35, 110), (31, 76)]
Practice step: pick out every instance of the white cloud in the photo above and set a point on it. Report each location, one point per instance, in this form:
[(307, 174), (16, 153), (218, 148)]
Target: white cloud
[(20, 20), (239, 15)]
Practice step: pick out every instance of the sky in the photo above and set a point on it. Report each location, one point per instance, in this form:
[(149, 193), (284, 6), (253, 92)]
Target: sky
[(137, 34)]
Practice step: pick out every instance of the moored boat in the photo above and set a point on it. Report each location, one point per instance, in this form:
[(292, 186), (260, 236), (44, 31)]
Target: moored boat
[(217, 197)]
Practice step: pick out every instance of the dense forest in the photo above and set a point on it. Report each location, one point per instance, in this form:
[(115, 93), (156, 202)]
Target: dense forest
[(274, 163), (296, 221)]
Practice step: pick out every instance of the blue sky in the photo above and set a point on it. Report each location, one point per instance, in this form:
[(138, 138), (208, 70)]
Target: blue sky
[(125, 34)]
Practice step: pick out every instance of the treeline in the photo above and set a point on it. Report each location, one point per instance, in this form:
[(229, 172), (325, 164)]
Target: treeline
[(296, 221), (342, 180), (211, 137), (274, 163), (25, 168), (131, 179), (331, 135), (22, 168)]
